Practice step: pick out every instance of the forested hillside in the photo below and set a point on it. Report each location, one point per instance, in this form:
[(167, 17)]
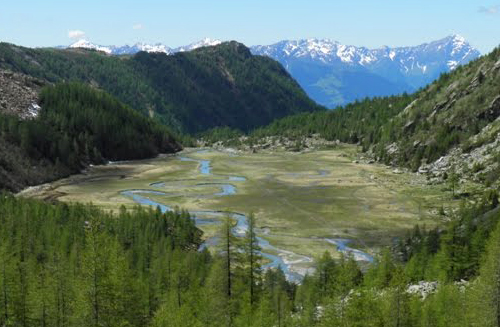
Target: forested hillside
[(76, 126), (190, 92), (455, 117), (357, 122)]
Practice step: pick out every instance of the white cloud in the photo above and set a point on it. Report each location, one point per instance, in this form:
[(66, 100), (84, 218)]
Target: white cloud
[(137, 26), (76, 34), (492, 10)]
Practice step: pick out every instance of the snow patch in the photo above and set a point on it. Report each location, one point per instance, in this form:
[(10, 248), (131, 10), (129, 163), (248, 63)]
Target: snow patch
[(452, 64), (392, 55), (33, 111)]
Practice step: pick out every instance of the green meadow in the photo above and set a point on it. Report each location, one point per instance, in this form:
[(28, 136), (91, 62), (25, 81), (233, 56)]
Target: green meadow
[(299, 198)]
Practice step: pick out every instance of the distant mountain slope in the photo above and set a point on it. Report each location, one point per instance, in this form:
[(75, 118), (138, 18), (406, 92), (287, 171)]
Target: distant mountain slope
[(76, 126), (222, 85), (451, 125), (335, 74)]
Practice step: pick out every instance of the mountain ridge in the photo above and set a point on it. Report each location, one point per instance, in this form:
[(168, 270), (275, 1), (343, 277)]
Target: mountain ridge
[(331, 73), (334, 74), (224, 84), (141, 46)]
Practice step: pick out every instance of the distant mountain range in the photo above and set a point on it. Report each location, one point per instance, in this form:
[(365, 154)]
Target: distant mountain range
[(334, 74), (138, 47)]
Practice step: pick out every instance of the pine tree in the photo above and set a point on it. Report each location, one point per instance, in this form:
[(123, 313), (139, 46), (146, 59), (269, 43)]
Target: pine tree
[(453, 180), (487, 291), (398, 312), (253, 258), (102, 278), (5, 285), (228, 253)]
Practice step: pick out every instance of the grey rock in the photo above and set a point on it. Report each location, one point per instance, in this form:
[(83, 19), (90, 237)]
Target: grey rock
[(19, 95)]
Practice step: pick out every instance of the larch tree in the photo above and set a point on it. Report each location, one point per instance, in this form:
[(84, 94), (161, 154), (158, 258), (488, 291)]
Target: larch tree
[(487, 291)]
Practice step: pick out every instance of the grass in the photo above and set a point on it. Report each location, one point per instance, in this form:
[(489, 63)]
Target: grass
[(298, 198)]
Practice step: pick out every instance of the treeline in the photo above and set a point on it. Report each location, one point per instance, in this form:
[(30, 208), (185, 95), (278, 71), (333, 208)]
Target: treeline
[(223, 85), (76, 126), (229, 136), (92, 125)]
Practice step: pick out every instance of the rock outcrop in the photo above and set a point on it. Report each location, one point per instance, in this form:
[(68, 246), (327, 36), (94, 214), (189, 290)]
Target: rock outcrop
[(19, 94)]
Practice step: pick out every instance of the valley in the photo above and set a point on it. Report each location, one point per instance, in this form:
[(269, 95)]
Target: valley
[(305, 203), (323, 164)]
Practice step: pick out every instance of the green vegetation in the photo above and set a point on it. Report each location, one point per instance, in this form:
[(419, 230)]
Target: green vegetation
[(411, 130), (99, 124), (223, 86), (301, 199), (462, 260), (229, 136), (74, 265), (77, 126), (356, 122), (189, 92)]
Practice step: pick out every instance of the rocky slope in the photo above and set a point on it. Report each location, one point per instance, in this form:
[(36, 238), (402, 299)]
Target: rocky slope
[(449, 129), (453, 126), (19, 94)]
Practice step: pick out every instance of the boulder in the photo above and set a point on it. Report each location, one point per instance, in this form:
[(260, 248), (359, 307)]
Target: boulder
[(423, 288), (392, 148)]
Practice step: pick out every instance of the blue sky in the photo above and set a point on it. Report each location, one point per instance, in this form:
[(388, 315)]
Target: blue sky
[(370, 23)]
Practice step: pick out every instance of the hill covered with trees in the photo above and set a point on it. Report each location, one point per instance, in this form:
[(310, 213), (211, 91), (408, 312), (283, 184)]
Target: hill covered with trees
[(223, 85), (76, 126), (454, 118)]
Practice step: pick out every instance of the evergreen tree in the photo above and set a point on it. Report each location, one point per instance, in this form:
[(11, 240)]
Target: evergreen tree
[(326, 270), (487, 291), (252, 249), (397, 313)]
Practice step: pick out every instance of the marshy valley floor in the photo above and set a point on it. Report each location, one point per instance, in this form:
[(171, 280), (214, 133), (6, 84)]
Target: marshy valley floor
[(305, 202)]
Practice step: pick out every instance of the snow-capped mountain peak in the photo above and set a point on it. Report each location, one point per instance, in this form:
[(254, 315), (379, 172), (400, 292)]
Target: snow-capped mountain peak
[(459, 43), (333, 73), (158, 47), (85, 44), (132, 49), (206, 42), (455, 47)]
